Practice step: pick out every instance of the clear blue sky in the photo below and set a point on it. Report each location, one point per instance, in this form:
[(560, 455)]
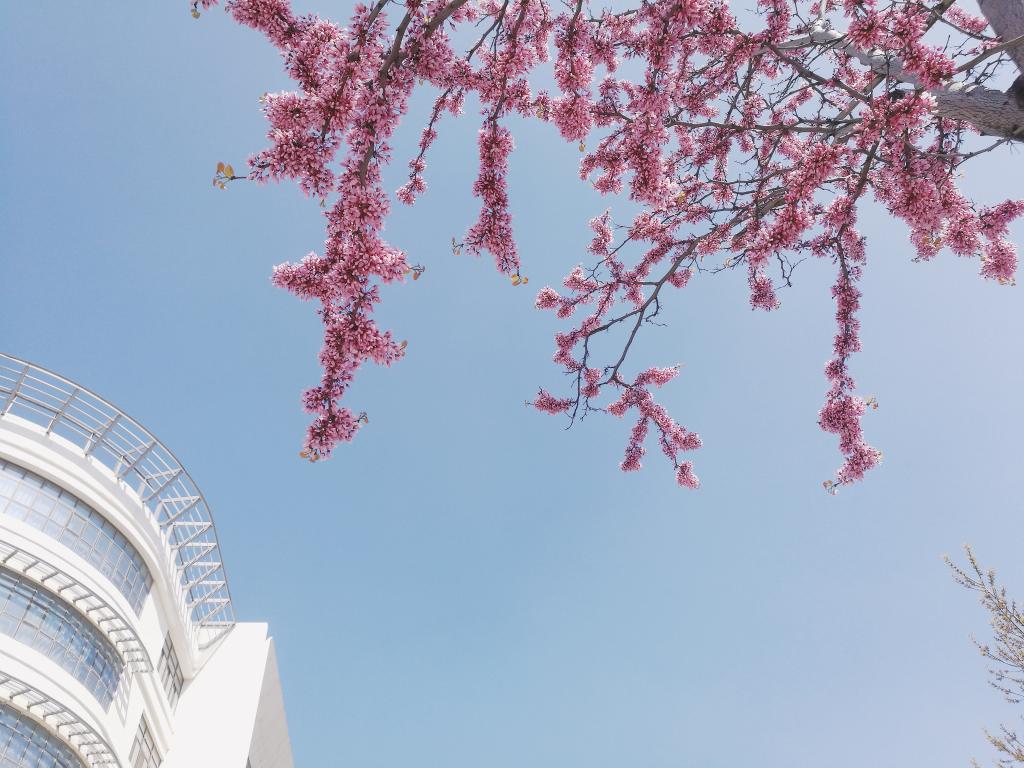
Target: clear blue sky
[(469, 585)]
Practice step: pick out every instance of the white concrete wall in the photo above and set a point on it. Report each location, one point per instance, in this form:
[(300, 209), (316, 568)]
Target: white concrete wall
[(270, 746), (233, 712)]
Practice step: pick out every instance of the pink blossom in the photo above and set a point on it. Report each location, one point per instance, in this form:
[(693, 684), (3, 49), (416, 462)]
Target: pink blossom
[(743, 143), (685, 476), (547, 298), (550, 404)]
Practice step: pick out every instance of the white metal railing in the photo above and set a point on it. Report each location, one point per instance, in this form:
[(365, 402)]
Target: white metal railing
[(109, 436)]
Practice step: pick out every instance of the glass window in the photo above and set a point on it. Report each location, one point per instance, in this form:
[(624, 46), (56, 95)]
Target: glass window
[(24, 743), (40, 619), (170, 672), (72, 522), (144, 753)]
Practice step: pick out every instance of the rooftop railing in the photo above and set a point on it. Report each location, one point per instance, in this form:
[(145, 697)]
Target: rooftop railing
[(107, 435)]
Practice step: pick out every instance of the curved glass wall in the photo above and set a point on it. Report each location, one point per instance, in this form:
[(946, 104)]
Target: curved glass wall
[(62, 516), (26, 744), (41, 620)]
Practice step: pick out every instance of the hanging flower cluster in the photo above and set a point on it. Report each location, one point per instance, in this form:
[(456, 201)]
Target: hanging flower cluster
[(748, 140)]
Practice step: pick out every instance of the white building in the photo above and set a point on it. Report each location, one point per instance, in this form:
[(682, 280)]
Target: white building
[(118, 642)]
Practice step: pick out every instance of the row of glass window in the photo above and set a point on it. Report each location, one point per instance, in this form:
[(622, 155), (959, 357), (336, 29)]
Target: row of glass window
[(26, 744), (66, 518), (170, 672), (36, 617), (41, 620), (144, 753)]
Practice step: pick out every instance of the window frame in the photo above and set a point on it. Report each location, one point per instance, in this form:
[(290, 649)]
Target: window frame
[(169, 670), (144, 747)]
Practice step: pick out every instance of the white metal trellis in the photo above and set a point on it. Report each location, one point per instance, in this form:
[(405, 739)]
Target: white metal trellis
[(108, 435)]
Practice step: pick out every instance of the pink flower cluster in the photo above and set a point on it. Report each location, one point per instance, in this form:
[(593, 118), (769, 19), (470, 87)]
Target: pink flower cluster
[(741, 149), (493, 230), (673, 438)]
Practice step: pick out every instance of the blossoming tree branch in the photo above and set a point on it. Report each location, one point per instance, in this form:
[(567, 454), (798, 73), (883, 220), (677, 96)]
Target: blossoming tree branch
[(749, 140)]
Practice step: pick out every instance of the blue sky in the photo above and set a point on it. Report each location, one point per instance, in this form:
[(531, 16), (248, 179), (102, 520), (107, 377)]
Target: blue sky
[(468, 584)]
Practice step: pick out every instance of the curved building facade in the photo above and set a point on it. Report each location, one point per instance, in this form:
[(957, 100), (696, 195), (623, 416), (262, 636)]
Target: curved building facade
[(118, 640)]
